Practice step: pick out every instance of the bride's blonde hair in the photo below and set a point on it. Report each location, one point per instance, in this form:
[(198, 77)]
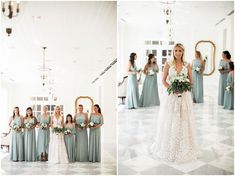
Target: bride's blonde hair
[(56, 108), (182, 58)]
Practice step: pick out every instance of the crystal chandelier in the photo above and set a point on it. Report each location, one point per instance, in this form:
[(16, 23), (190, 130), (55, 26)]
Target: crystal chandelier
[(44, 69), (13, 8)]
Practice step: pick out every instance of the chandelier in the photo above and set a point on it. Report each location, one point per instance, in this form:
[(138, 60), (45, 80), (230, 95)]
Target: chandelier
[(44, 69), (13, 8)]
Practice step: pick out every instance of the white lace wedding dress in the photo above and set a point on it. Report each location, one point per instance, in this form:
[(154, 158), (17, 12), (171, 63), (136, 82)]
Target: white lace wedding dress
[(57, 151), (175, 140)]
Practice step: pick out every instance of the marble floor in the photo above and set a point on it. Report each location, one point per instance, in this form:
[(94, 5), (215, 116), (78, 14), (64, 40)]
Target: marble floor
[(108, 165), (214, 132)]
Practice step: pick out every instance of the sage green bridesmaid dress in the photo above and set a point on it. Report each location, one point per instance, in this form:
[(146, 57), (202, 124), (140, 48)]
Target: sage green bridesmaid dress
[(222, 81), (229, 95), (132, 90), (149, 95), (197, 82), (95, 139), (81, 140), (43, 136), (30, 142), (17, 142), (70, 143)]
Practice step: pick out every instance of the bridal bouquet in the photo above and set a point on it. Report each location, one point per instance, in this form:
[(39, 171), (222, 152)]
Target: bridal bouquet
[(221, 68), (27, 125), (16, 127), (229, 88), (197, 69), (179, 84), (58, 129), (81, 125), (67, 132), (43, 126), (91, 124), (151, 72)]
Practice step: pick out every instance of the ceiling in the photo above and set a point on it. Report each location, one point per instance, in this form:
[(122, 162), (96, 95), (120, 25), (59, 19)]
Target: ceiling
[(195, 13), (80, 38)]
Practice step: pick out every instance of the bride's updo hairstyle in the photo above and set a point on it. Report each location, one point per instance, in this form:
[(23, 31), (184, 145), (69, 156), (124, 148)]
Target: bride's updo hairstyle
[(180, 46)]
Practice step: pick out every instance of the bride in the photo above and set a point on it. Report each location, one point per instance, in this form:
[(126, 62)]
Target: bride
[(176, 139), (57, 151)]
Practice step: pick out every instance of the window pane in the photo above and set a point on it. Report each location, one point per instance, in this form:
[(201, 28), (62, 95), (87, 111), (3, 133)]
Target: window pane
[(163, 60), (39, 98), (164, 53), (154, 52), (38, 107)]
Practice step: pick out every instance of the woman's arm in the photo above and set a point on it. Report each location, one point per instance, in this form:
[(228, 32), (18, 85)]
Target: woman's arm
[(146, 69), (165, 74), (86, 120), (129, 71)]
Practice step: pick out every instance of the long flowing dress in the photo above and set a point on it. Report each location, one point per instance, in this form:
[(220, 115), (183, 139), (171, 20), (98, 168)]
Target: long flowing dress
[(149, 95), (17, 142), (197, 82), (70, 142), (132, 91), (95, 139), (222, 81), (43, 136), (175, 140), (229, 93), (81, 140), (57, 150), (30, 141)]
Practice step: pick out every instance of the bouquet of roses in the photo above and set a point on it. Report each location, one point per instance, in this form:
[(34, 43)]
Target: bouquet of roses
[(27, 125), (16, 127), (197, 69), (229, 88), (179, 84), (91, 124), (58, 129), (43, 126), (151, 72), (67, 131), (81, 125)]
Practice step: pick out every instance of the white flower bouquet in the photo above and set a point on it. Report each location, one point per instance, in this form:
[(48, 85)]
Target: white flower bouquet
[(197, 69), (81, 125), (28, 125), (221, 68), (179, 84), (229, 88), (151, 72), (58, 129), (43, 126), (92, 124), (16, 127), (67, 132)]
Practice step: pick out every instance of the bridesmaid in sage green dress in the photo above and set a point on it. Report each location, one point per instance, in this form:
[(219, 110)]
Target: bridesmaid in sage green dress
[(95, 134), (198, 67), (224, 70), (43, 135), (69, 138), (132, 92), (149, 96), (17, 142), (81, 140), (30, 122), (229, 92)]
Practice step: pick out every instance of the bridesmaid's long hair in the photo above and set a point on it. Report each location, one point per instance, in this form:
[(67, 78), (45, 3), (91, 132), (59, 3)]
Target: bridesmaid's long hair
[(199, 54), (29, 108), (69, 115), (132, 59), (231, 65), (227, 54), (99, 110), (182, 47), (150, 56), (14, 111)]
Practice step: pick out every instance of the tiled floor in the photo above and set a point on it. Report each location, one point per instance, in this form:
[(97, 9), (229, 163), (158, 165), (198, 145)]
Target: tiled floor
[(106, 167), (214, 132)]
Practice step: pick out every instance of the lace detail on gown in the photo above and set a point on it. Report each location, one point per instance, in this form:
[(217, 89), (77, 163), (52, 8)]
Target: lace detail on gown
[(57, 150), (175, 140)]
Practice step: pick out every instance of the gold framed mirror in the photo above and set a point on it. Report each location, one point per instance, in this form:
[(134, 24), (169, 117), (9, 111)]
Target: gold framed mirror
[(87, 102), (207, 49)]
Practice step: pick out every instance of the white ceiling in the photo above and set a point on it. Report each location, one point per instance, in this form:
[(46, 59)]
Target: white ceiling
[(80, 36), (195, 13)]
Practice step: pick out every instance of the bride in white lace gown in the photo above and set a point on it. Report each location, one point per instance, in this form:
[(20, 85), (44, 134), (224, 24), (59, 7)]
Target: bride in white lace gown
[(176, 139), (57, 151)]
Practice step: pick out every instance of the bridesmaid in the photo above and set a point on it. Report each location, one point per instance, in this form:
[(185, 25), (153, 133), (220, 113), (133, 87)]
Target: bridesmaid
[(229, 93), (132, 84), (149, 96), (95, 135), (30, 123), (17, 143), (223, 69), (198, 66), (43, 135), (69, 138), (81, 140)]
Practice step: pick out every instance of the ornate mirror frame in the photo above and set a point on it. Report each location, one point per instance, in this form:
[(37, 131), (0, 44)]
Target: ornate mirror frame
[(213, 57), (84, 97)]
